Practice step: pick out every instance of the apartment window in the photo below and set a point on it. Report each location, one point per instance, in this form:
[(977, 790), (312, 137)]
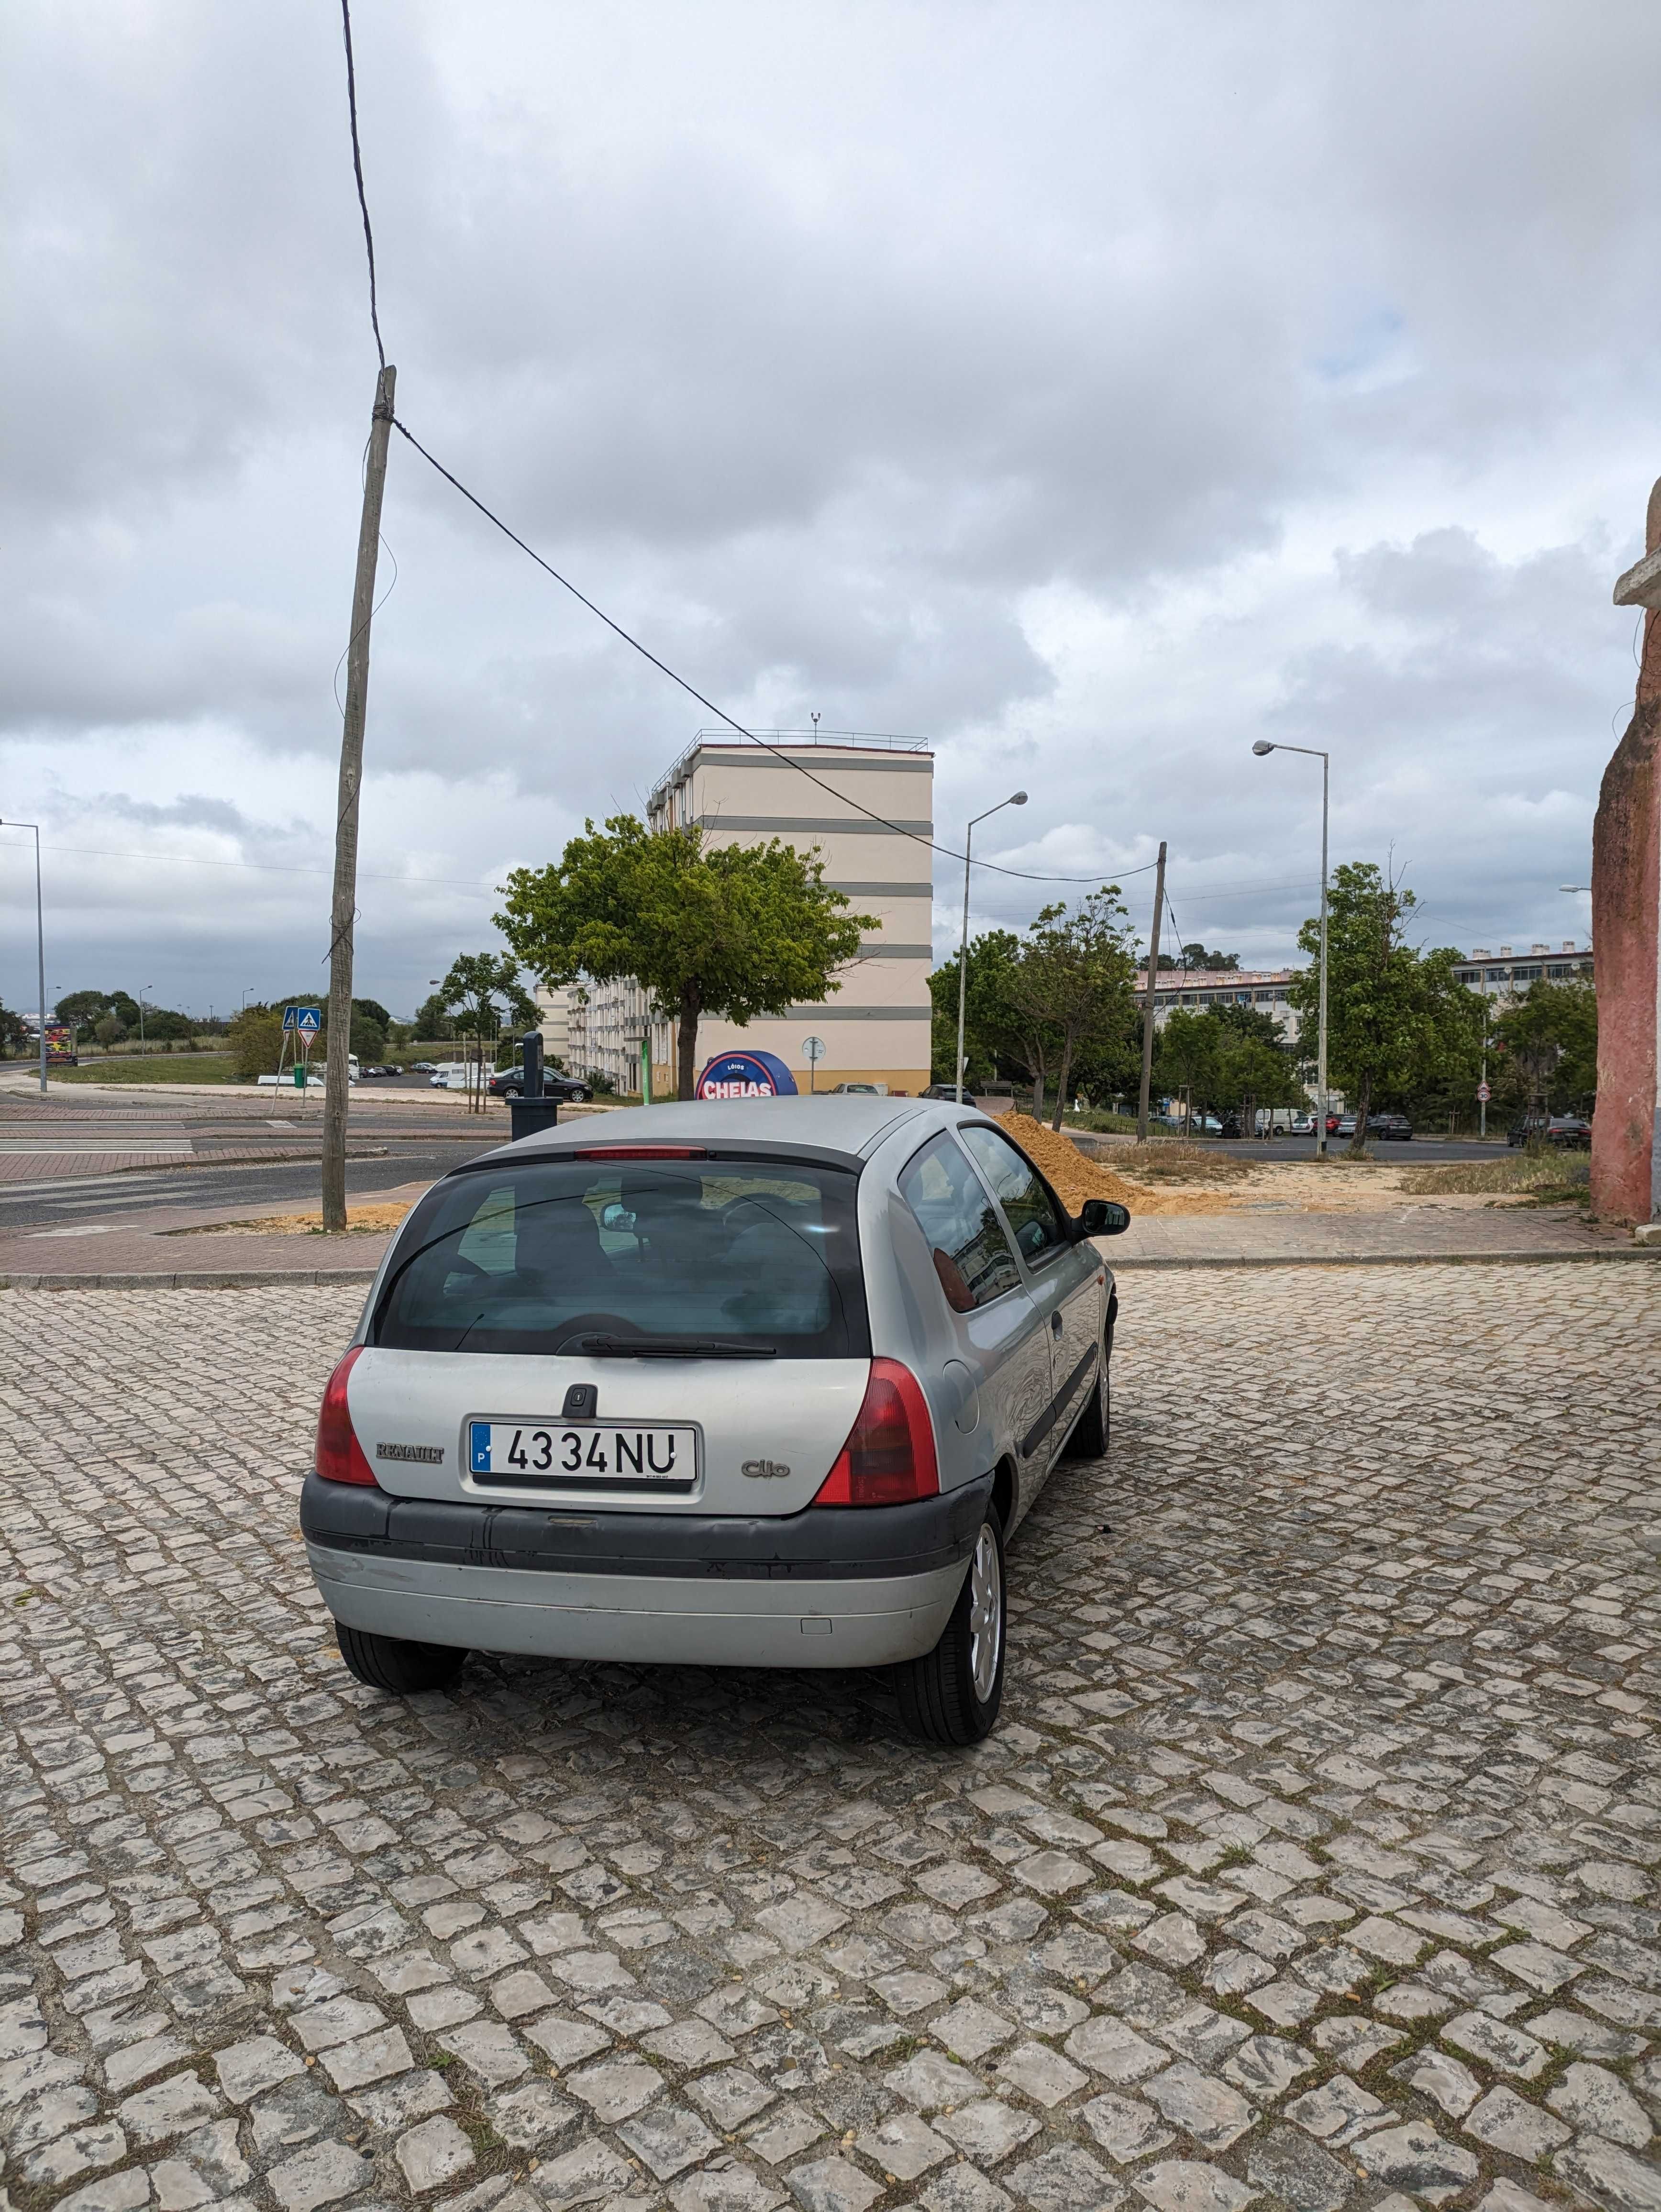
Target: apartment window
[(1524, 974), (1498, 975)]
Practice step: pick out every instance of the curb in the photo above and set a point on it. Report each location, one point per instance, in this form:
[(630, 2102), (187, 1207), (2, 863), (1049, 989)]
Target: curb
[(204, 1278), (1393, 1259)]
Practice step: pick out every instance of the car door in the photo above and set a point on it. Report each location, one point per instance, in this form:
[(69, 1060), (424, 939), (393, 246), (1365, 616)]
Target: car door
[(998, 1335), (1066, 1282)]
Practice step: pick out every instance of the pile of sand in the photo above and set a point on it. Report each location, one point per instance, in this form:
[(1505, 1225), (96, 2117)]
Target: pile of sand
[(1076, 1178)]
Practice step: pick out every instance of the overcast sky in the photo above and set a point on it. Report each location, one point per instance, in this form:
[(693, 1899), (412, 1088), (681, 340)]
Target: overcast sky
[(1090, 390)]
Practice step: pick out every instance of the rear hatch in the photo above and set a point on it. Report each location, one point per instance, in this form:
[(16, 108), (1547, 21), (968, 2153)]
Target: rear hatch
[(632, 1329)]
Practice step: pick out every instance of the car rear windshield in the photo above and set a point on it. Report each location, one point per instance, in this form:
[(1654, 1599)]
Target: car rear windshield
[(760, 1255)]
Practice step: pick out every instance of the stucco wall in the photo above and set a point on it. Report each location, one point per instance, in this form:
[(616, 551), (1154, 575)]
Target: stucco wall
[(1626, 852)]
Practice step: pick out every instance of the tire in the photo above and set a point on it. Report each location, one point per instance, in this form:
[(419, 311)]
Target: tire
[(1089, 1438), (953, 1693), (579, 1096), (387, 1662)]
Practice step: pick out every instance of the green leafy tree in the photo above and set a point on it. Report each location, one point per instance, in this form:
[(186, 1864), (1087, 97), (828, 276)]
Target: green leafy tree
[(368, 1037), (1547, 1049), (1195, 955), (730, 931), (1187, 1056), (1072, 986), (480, 989), (1392, 1011), (433, 1024), (15, 1032), (376, 1012), (82, 1009), (108, 1030), (255, 1037), (993, 958)]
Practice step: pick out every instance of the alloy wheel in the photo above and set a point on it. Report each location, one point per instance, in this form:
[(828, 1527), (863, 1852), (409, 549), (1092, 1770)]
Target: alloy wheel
[(985, 1615)]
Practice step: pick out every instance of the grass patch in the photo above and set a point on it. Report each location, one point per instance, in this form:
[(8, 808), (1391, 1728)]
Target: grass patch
[(1521, 1174), (1168, 1160), (168, 1068)]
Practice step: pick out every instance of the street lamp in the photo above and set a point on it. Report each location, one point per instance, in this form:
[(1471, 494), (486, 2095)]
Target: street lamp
[(1015, 799), (40, 940), (1262, 747), (141, 989)]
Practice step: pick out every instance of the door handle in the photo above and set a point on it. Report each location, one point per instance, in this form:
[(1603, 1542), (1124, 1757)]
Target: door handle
[(1054, 1324)]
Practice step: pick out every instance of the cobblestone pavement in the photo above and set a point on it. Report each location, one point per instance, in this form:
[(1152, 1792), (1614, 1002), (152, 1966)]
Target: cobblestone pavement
[(1313, 1865)]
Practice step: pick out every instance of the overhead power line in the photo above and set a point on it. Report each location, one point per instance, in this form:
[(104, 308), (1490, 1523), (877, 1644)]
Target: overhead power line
[(358, 171), (1026, 875)]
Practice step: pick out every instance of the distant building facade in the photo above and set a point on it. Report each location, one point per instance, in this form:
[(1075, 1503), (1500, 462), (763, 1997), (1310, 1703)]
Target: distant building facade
[(1508, 973), (1265, 990), (876, 1028)]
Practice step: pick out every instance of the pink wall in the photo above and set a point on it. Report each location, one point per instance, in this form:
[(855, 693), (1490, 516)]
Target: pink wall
[(1626, 878)]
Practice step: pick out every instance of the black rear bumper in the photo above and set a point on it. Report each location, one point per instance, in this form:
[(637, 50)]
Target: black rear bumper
[(825, 1543)]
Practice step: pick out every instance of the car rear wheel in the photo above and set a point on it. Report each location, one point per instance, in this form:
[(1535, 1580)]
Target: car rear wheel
[(387, 1662), (581, 1095), (953, 1693)]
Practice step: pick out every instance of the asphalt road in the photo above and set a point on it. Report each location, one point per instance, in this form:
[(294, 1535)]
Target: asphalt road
[(124, 1197)]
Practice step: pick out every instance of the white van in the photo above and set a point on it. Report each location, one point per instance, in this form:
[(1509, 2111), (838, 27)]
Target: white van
[(451, 1075), (313, 1077)]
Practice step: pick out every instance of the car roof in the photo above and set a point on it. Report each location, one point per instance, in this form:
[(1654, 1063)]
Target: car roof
[(849, 1124)]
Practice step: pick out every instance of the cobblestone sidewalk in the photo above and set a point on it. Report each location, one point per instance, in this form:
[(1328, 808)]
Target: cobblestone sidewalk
[(1313, 1865)]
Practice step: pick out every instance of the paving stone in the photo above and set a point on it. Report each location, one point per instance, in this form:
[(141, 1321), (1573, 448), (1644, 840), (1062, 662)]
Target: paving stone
[(488, 2049), (1610, 2175), (988, 2130), (726, 2185), (1496, 2043), (67, 2156), (1415, 2158), (1114, 2052), (1592, 2099), (930, 2082), (668, 2138), (962, 2189), (1285, 2164), (369, 2058), (1173, 1940), (787, 2136), (1337, 2112), (969, 2029), (1065, 2179), (831, 2184), (592, 2173), (1180, 2184), (320, 2174), (433, 2154), (1505, 2122), (1266, 2066), (1041, 2074), (260, 2063), (904, 2145), (1435, 2073), (1125, 2127), (1211, 2111)]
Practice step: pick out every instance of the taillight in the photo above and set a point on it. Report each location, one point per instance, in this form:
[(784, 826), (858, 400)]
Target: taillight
[(339, 1454), (889, 1456)]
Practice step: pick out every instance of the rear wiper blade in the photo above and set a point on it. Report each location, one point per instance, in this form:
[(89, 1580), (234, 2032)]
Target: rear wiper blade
[(668, 1347)]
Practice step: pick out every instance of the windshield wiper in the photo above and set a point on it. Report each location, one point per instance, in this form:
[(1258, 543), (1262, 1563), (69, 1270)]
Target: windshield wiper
[(602, 1347)]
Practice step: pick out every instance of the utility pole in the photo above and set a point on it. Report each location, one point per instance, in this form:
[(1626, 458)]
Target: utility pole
[(1147, 1011), (345, 836)]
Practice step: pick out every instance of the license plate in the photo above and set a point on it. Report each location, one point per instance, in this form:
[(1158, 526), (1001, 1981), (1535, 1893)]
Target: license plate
[(583, 1455)]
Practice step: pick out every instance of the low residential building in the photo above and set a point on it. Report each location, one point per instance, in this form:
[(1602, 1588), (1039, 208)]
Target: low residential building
[(1508, 973), (1265, 990), (866, 803)]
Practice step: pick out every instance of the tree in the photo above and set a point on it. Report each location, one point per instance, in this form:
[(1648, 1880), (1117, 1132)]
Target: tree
[(1195, 955), (432, 1024), (109, 1028), (255, 1037), (992, 958), (732, 931), (1391, 1011), (81, 1011), (375, 1011), (1189, 1053), (480, 988), (1547, 1048), (1072, 985), (15, 1032), (368, 1037)]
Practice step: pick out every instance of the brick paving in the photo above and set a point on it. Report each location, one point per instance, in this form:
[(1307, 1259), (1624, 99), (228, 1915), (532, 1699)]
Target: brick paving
[(1313, 1865)]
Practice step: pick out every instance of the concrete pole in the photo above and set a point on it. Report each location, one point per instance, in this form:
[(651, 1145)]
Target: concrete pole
[(1321, 1067), (963, 959), (344, 905), (1147, 1011)]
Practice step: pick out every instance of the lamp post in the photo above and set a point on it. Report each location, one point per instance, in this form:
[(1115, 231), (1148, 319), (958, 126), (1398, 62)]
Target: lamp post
[(40, 940), (141, 989), (1262, 747), (1015, 799)]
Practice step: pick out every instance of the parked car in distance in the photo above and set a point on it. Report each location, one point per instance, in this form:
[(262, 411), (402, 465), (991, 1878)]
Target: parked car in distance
[(1231, 1126), (509, 1083), (862, 1089), (1390, 1129), (750, 1383), (1567, 1132), (948, 1091), (423, 1067), (1303, 1124)]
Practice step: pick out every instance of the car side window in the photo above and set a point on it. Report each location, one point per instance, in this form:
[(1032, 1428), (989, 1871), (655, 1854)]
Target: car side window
[(971, 1254), (1019, 1189)]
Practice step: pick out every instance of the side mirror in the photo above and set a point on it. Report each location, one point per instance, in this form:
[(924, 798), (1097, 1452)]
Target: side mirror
[(1103, 1217)]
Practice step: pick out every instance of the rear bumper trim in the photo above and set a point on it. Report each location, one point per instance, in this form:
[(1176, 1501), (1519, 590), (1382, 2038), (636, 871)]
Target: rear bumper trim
[(825, 1543)]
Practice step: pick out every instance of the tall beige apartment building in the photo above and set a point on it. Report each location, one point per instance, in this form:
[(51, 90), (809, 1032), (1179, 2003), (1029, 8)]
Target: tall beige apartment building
[(876, 1026)]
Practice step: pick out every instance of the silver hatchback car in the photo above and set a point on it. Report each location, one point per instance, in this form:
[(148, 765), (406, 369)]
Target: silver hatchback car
[(749, 1382)]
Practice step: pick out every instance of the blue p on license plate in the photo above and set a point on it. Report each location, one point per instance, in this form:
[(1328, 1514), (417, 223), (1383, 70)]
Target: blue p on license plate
[(583, 1455)]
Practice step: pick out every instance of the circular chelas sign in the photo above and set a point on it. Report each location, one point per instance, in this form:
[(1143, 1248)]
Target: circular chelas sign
[(746, 1075)]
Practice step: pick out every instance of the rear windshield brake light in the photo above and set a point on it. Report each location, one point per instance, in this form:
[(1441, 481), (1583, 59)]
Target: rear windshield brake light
[(643, 1153)]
